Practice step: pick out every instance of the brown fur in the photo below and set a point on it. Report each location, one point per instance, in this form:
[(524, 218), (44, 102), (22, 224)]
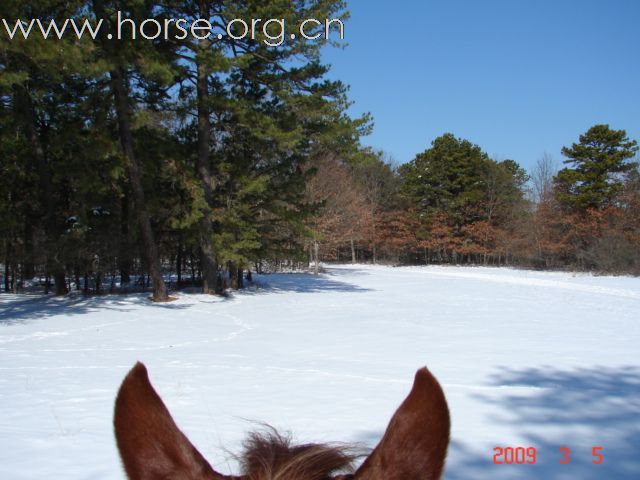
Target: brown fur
[(415, 443), (271, 456), (152, 447)]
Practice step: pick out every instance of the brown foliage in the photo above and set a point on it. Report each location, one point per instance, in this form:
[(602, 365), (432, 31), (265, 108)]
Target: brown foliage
[(496, 229), (345, 213), (396, 232)]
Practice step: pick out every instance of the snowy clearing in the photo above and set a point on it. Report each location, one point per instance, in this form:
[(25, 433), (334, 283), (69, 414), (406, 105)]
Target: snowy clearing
[(529, 359)]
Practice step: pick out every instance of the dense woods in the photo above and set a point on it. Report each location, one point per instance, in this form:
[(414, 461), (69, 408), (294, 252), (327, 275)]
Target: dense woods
[(126, 164)]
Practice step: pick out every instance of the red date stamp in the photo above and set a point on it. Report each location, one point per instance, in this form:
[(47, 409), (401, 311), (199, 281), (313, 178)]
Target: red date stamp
[(517, 455), (529, 455)]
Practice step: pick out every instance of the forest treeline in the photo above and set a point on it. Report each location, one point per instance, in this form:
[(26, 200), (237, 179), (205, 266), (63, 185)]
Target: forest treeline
[(453, 204), (196, 162)]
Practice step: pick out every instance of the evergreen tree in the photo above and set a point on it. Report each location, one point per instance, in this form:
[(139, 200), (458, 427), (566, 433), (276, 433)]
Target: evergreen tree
[(44, 85), (107, 126), (121, 58), (599, 162), (254, 107), (446, 178), (455, 181)]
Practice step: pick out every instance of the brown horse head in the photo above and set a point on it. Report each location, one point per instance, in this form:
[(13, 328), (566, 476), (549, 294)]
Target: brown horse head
[(152, 447)]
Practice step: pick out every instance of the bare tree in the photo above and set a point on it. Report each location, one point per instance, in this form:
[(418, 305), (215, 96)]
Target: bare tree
[(343, 216), (542, 178)]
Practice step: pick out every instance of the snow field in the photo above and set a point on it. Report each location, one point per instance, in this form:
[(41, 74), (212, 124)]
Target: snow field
[(525, 358)]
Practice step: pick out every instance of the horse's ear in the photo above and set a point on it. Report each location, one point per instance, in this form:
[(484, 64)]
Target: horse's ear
[(151, 445), (415, 443)]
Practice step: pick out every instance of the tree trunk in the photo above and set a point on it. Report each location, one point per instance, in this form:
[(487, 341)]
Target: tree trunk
[(192, 264), (60, 282), (52, 229), (119, 89), (353, 251), (150, 248), (124, 257), (112, 285), (7, 255), (316, 248), (14, 278), (28, 269), (98, 283), (208, 260), (179, 263), (240, 278), (233, 275)]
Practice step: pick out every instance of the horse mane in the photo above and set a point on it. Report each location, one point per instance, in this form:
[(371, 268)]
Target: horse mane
[(270, 455)]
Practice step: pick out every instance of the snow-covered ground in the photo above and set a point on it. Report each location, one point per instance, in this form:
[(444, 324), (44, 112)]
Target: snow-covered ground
[(530, 359)]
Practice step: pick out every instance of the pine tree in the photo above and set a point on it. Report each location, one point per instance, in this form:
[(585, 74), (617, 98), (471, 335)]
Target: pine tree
[(120, 57), (456, 182), (43, 87), (254, 108), (599, 162), (446, 178)]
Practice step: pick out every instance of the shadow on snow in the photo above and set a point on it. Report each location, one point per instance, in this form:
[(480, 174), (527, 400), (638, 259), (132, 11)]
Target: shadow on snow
[(304, 283), (26, 308), (581, 408)]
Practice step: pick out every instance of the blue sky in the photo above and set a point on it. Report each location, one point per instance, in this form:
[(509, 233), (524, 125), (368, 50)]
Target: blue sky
[(519, 78)]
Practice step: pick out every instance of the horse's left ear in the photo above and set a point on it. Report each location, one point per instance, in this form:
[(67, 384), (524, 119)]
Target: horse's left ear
[(151, 445)]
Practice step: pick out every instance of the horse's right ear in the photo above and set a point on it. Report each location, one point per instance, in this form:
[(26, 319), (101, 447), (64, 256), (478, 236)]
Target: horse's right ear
[(415, 443), (151, 445)]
